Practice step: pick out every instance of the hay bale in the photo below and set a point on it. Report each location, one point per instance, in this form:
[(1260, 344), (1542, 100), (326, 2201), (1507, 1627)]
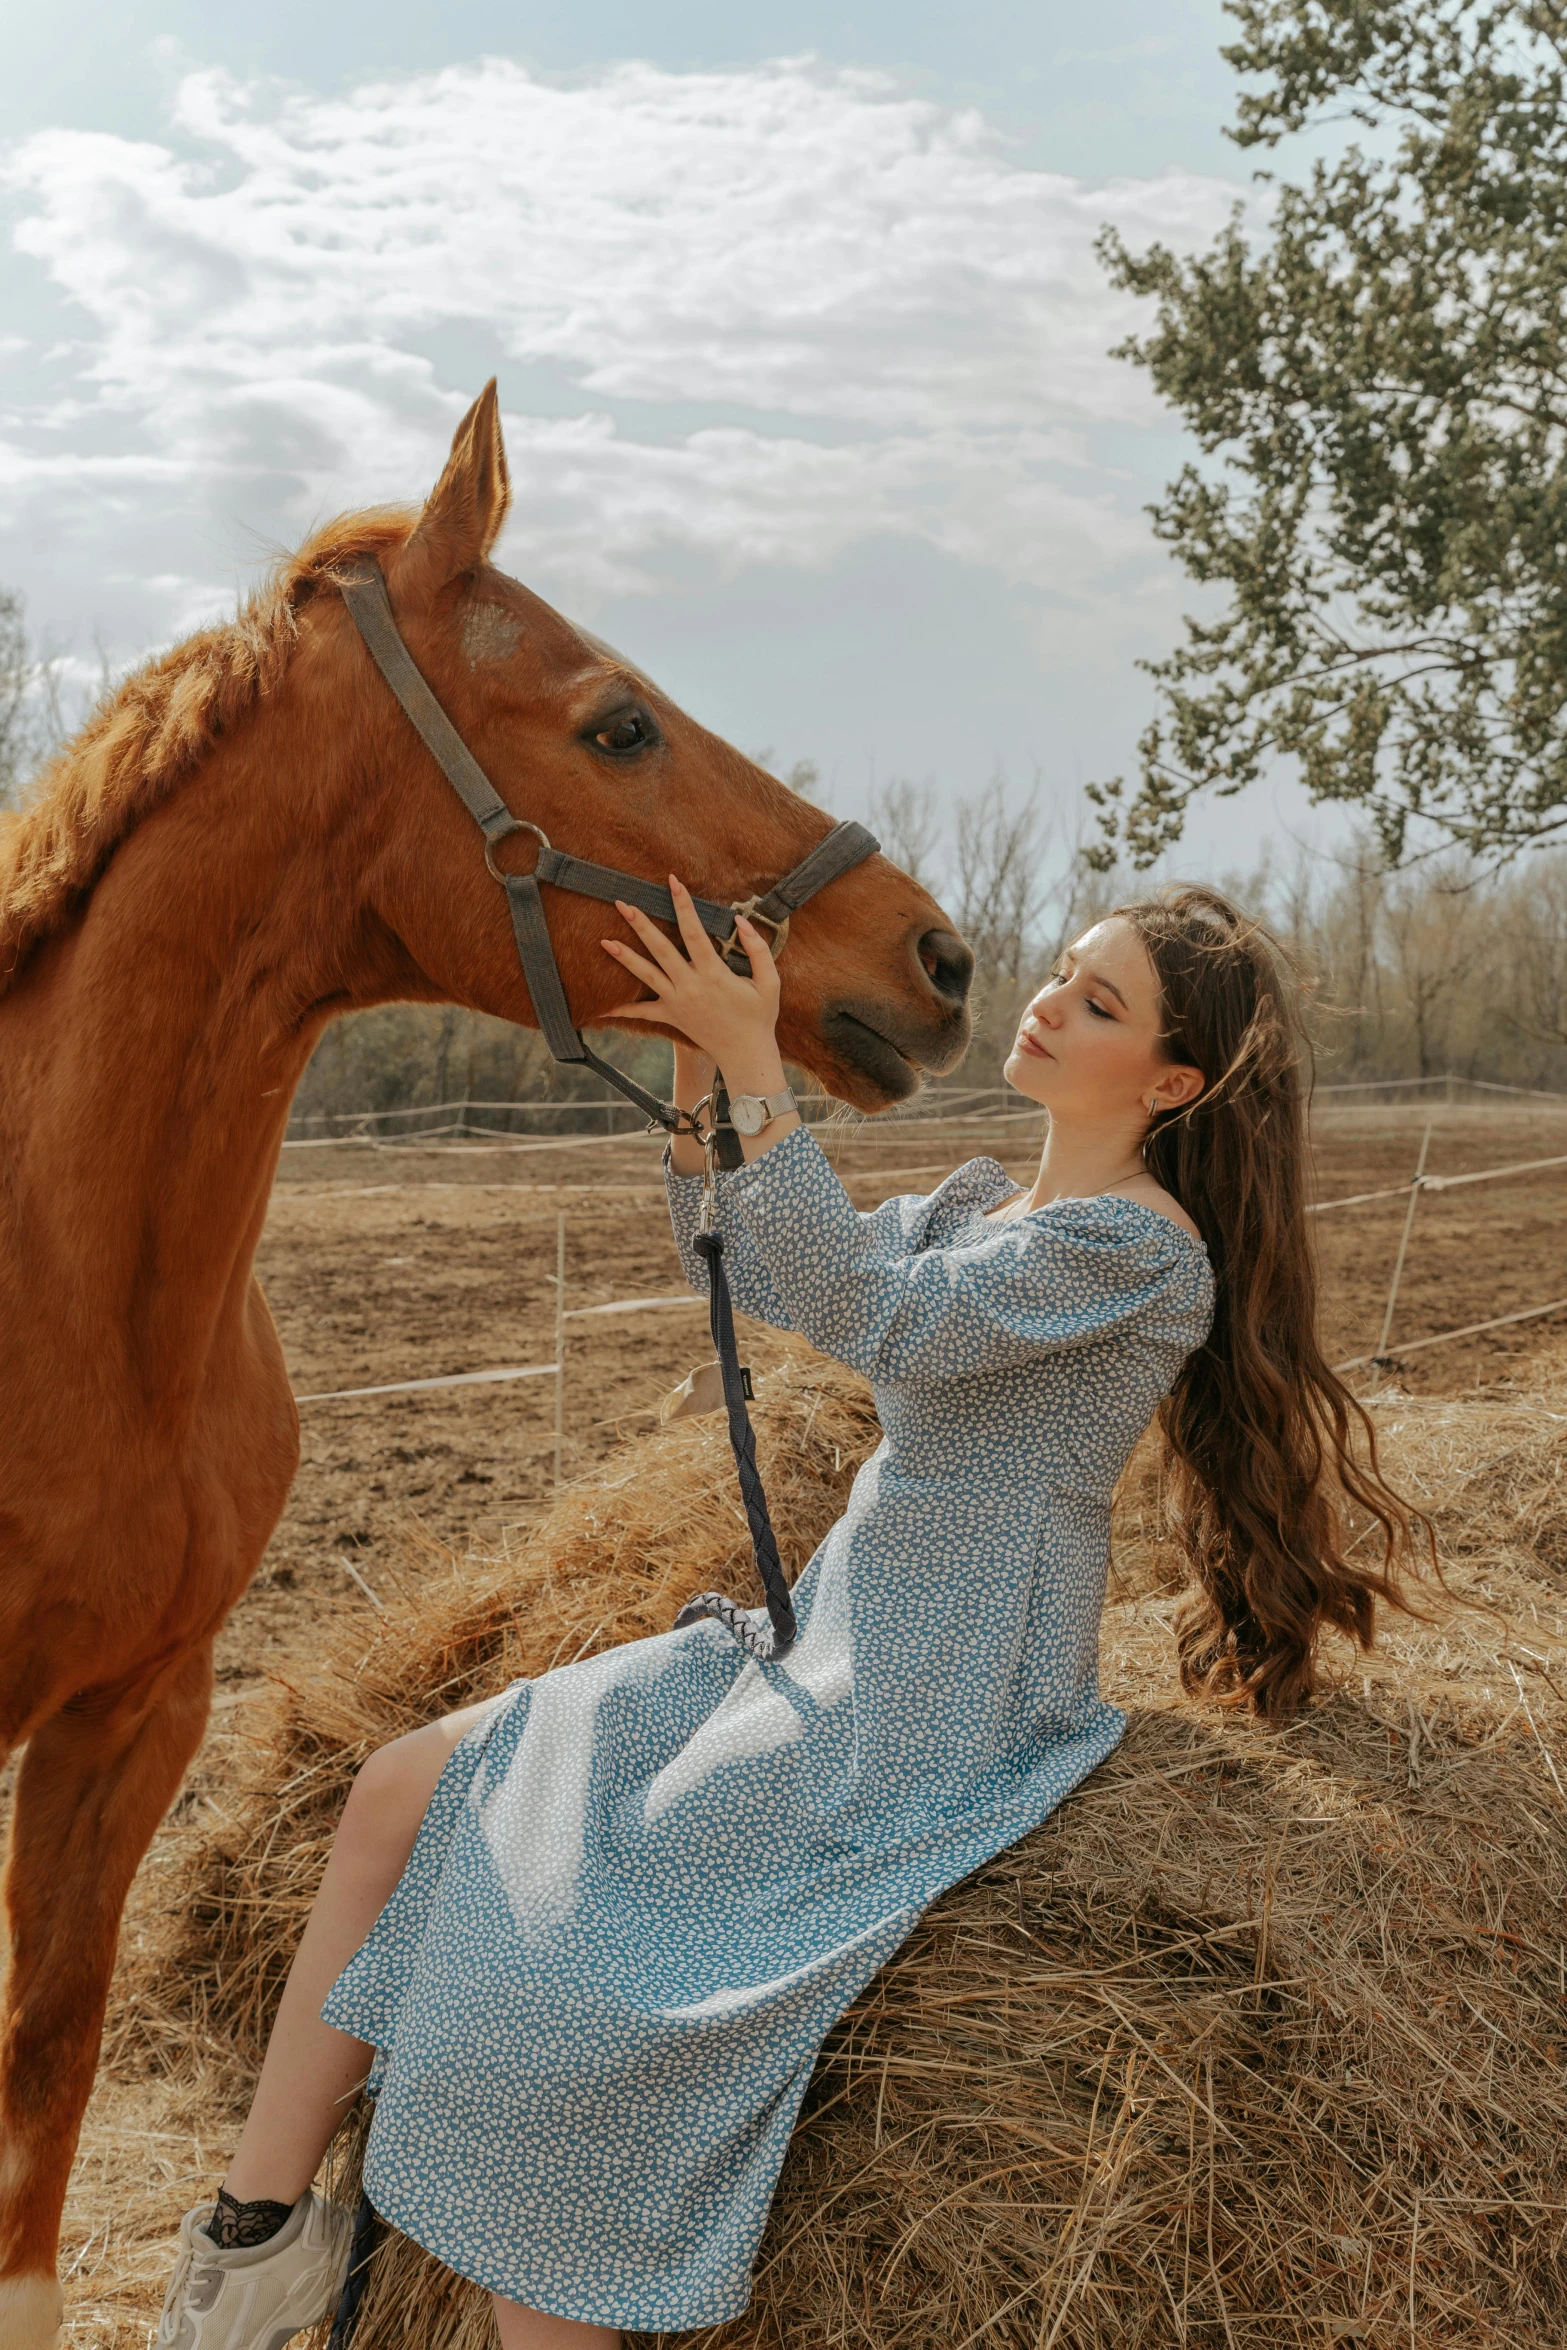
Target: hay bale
[(1258, 2041)]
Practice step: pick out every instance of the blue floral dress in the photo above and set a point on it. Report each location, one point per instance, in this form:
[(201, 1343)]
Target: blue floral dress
[(648, 1883)]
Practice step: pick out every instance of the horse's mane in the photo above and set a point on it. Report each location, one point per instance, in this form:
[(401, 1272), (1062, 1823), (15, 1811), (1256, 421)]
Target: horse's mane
[(150, 733)]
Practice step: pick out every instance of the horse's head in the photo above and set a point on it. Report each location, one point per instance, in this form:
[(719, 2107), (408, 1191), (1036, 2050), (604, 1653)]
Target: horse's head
[(578, 742)]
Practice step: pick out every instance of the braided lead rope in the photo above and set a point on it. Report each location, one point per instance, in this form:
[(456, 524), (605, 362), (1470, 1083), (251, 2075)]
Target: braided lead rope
[(779, 1638), (367, 2234)]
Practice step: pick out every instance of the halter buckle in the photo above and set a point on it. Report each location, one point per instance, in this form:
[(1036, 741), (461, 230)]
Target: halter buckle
[(491, 842), (750, 908)]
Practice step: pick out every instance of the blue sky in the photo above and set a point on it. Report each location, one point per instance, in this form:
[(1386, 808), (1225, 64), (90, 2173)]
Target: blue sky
[(801, 341)]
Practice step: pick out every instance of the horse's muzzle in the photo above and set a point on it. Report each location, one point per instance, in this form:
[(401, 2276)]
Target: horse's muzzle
[(893, 1044)]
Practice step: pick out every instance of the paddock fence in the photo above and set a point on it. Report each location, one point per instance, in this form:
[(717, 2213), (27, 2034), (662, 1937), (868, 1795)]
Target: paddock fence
[(567, 1124), (940, 1127)]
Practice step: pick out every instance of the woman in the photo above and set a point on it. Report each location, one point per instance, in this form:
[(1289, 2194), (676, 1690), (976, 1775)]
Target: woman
[(594, 1930)]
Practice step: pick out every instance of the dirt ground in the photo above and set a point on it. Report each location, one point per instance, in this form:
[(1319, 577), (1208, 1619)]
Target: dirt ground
[(390, 1264)]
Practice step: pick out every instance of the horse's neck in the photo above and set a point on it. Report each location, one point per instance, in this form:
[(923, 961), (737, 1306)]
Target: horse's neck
[(153, 1049)]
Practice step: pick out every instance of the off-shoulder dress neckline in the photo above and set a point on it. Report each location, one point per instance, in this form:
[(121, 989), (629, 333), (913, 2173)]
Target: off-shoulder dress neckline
[(1119, 1198)]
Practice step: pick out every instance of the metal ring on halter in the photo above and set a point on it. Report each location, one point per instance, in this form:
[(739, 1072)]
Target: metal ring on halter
[(518, 824), (748, 907)]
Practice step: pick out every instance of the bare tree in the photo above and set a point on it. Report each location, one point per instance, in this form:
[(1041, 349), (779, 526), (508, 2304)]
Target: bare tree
[(1432, 930), (803, 777), (31, 723), (1000, 889), (1003, 888), (1537, 932), (905, 819), (15, 702), (444, 1035), (1346, 944)]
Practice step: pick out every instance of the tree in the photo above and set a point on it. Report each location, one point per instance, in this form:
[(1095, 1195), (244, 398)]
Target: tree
[(30, 719), (1003, 882), (803, 777), (15, 678), (904, 819), (1537, 937), (1434, 934), (993, 872), (1379, 390)]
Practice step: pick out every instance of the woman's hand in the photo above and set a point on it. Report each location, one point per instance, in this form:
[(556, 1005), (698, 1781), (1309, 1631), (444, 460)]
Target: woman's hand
[(725, 1015)]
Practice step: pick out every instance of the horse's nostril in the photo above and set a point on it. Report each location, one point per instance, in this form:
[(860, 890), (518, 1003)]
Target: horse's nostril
[(948, 965)]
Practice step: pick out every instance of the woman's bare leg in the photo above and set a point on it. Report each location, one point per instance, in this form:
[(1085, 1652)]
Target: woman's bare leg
[(529, 2329), (311, 2070)]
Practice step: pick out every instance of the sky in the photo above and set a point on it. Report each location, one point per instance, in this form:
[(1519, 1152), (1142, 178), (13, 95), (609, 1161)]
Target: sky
[(802, 343)]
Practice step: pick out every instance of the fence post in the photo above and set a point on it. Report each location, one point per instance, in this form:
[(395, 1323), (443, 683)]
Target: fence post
[(1403, 1250), (560, 1337)]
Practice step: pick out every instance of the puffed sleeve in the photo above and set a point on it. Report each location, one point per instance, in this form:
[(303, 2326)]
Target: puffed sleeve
[(749, 1284), (1040, 1285)]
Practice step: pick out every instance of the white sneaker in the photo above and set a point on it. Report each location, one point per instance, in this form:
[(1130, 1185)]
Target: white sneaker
[(258, 2296)]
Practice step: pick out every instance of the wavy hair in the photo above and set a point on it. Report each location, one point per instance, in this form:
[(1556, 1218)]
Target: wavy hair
[(1260, 1432)]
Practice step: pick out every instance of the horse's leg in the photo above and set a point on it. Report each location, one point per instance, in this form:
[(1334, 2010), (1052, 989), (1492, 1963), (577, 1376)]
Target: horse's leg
[(94, 1783)]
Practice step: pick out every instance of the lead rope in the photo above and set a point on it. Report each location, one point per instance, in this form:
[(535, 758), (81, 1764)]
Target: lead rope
[(367, 2233), (779, 1637)]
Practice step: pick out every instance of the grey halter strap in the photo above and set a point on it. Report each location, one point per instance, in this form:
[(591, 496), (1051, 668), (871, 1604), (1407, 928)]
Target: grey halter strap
[(847, 845)]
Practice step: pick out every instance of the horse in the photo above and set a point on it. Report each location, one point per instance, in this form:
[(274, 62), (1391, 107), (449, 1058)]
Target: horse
[(246, 840)]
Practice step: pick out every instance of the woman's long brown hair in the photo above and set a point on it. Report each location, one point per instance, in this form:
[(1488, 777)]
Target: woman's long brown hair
[(1258, 1427)]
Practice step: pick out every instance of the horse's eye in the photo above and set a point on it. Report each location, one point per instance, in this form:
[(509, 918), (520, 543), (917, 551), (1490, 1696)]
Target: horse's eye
[(629, 730)]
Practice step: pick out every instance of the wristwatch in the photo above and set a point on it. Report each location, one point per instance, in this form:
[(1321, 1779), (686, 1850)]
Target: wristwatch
[(750, 1112)]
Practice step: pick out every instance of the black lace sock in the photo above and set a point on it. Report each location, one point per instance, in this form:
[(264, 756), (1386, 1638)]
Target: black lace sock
[(236, 2226)]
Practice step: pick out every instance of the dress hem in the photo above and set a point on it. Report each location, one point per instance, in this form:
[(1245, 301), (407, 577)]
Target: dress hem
[(640, 2321)]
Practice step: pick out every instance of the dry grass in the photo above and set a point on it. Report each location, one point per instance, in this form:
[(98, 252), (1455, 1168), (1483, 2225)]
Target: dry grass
[(1259, 2041)]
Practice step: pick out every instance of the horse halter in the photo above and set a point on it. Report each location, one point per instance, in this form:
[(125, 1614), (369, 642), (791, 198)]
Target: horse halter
[(847, 845)]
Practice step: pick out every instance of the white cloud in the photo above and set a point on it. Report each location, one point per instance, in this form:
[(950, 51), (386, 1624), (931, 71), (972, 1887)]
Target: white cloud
[(757, 314)]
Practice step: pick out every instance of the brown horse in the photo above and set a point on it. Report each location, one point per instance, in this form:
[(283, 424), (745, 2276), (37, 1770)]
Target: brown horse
[(249, 839)]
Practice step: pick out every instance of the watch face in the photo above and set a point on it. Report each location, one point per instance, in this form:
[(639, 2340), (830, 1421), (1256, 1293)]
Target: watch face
[(747, 1115)]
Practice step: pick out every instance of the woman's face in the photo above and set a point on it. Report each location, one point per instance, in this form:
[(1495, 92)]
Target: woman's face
[(1089, 1048)]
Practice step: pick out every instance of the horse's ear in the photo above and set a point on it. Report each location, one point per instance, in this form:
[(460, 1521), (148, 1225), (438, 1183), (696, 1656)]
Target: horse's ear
[(463, 514)]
